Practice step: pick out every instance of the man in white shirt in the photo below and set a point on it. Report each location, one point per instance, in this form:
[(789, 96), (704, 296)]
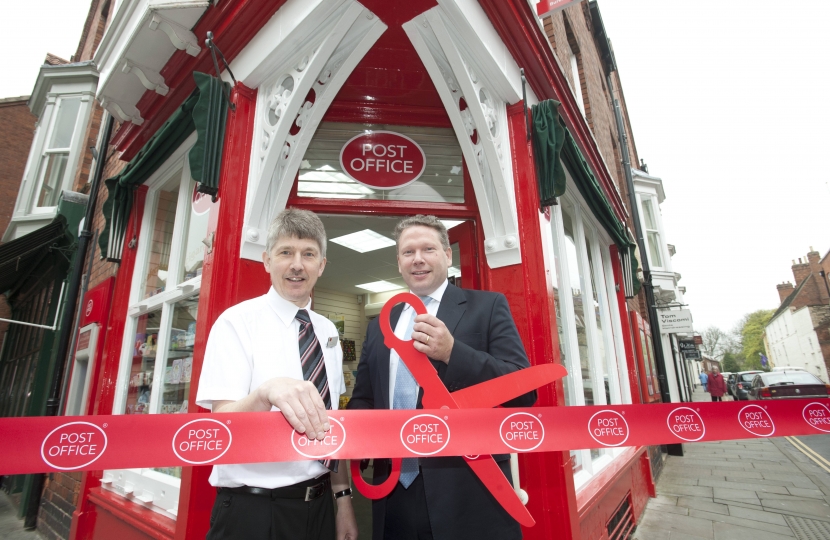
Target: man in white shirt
[(274, 353)]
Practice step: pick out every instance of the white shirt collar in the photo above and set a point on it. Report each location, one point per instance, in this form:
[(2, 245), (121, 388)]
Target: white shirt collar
[(438, 293), (284, 309)]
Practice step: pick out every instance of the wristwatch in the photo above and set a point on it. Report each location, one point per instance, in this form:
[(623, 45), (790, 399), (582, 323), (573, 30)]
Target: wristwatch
[(345, 492)]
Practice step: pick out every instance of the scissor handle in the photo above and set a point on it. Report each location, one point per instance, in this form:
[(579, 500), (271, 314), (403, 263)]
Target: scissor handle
[(436, 395), (389, 338), (381, 490)]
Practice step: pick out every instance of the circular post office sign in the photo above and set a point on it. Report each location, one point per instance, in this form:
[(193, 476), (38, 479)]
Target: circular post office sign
[(382, 159)]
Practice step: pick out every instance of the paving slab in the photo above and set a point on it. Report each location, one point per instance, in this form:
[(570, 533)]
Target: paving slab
[(781, 531), (810, 493), (674, 522), (744, 485), (728, 531), (814, 509), (695, 491), (699, 503), (757, 515)]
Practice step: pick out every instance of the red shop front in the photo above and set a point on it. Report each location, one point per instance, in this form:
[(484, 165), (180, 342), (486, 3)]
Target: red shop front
[(441, 85)]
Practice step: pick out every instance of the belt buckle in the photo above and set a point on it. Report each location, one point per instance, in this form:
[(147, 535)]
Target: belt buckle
[(312, 492)]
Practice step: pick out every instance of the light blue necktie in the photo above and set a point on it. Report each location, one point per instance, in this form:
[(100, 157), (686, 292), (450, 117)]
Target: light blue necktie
[(406, 397)]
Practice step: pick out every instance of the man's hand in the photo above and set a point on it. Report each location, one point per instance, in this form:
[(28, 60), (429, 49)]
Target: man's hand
[(431, 337), (345, 523), (300, 403)]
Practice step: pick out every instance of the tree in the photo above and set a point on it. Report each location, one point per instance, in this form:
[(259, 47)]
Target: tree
[(714, 342), (732, 362), (752, 328)]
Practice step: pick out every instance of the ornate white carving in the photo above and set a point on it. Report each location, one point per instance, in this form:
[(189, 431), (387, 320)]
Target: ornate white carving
[(122, 111), (151, 79), (181, 38), (478, 114), (293, 100)]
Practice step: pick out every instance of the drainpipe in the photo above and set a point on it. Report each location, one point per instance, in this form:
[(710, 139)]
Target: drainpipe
[(65, 335)]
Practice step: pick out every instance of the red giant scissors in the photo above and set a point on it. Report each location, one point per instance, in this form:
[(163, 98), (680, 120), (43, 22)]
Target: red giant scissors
[(436, 396)]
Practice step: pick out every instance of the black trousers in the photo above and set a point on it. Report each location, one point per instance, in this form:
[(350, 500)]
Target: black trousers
[(407, 517), (717, 398), (256, 517)]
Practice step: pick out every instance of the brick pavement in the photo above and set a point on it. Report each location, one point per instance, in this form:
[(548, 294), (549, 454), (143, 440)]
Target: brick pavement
[(758, 489)]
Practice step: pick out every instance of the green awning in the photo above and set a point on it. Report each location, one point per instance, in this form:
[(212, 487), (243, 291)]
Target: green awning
[(548, 137), (598, 202), (199, 112)]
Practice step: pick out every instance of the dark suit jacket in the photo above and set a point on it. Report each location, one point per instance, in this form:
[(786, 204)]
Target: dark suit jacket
[(487, 345)]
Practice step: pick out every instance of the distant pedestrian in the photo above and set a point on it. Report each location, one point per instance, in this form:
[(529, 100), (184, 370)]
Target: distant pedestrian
[(717, 386), (704, 380)]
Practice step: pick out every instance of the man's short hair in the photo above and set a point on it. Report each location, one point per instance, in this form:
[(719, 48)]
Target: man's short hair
[(302, 224), (424, 221)]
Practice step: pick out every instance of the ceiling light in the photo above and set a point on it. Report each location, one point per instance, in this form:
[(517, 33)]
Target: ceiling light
[(379, 286), (363, 241), (450, 223)]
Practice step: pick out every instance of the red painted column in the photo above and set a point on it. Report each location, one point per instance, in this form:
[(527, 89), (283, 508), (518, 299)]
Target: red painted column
[(547, 477), (226, 280)]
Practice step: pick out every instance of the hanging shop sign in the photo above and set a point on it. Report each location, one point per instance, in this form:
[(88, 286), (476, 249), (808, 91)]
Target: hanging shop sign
[(686, 345), (546, 8), (677, 321), (382, 159), (692, 355)]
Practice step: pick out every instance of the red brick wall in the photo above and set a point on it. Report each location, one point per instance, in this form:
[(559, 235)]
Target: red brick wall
[(17, 129), (57, 504)]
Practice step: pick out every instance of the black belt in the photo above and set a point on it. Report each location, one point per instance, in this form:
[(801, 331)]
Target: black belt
[(308, 490)]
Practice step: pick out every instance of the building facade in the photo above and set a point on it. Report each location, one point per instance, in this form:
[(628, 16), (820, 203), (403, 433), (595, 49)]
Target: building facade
[(798, 334), (176, 247)]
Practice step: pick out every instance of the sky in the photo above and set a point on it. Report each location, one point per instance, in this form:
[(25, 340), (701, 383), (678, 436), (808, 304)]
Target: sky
[(728, 105)]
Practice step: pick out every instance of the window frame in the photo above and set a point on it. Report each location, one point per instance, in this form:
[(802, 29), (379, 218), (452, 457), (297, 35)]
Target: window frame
[(588, 234), (137, 484)]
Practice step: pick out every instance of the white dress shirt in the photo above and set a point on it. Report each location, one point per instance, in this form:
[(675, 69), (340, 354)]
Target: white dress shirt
[(400, 330), (250, 343)]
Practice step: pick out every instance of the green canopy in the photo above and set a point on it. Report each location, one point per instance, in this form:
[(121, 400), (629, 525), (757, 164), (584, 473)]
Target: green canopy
[(548, 137), (597, 201), (204, 111)]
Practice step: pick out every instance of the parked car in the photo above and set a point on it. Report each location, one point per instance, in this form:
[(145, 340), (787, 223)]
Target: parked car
[(787, 385), (741, 383), (730, 382), (788, 368)]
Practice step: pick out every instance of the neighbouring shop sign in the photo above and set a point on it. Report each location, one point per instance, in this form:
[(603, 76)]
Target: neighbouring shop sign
[(382, 159), (676, 321), (546, 8), (692, 355)]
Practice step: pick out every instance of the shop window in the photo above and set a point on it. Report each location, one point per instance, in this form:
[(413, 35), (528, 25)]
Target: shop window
[(655, 248), (157, 356), (589, 335), (322, 176)]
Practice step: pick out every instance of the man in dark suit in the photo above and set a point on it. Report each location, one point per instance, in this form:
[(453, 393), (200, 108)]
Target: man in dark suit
[(469, 337)]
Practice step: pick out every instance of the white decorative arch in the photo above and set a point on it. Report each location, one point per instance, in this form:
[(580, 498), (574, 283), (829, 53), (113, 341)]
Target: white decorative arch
[(305, 70), (475, 89)]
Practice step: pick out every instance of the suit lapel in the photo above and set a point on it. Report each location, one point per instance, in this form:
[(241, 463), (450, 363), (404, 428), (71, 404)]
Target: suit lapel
[(452, 307), (383, 356)]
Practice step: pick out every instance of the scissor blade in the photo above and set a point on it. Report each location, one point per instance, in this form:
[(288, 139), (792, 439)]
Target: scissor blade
[(493, 478), (502, 389)]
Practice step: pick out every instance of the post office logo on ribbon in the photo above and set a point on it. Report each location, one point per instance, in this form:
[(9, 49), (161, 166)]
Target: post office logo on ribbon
[(202, 441), (818, 416), (425, 434), (73, 445), (608, 428), (686, 424), (756, 420), (316, 449), (522, 432)]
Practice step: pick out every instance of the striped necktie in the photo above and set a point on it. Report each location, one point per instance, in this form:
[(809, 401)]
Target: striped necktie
[(314, 368), (406, 397)]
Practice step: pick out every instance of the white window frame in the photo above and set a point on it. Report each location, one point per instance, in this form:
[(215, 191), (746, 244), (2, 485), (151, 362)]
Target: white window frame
[(589, 233), (154, 490), (663, 252), (82, 368)]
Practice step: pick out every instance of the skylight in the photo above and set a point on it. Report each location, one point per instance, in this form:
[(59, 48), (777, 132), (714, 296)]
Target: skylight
[(364, 241)]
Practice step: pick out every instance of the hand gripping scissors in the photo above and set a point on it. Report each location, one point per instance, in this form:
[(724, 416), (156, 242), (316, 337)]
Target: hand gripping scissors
[(436, 396)]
